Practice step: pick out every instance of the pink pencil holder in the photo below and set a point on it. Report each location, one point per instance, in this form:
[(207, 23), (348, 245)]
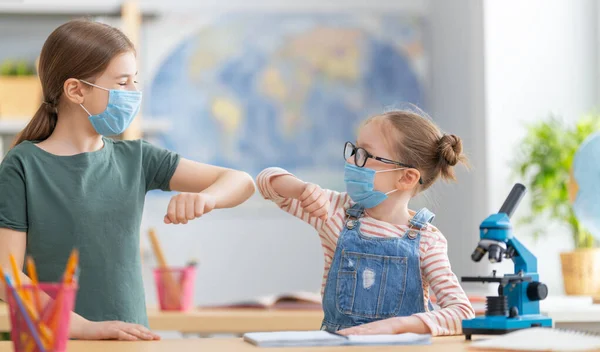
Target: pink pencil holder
[(175, 288), (53, 317)]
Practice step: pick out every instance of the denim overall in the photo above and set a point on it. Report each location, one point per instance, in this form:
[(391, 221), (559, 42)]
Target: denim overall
[(373, 278)]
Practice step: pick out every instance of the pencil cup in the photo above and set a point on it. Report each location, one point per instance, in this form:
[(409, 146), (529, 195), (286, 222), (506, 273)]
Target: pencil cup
[(49, 319), (175, 288)]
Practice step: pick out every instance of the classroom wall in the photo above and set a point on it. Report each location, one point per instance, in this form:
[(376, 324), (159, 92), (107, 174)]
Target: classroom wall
[(242, 251), (540, 58), (260, 258), (492, 65)]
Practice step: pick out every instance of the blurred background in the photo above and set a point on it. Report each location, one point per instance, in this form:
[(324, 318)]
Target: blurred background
[(283, 83)]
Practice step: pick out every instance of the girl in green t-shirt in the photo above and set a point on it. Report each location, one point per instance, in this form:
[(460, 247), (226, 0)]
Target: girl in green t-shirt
[(64, 185)]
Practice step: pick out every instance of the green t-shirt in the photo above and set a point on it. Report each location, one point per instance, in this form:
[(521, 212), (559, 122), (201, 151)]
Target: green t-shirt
[(92, 202)]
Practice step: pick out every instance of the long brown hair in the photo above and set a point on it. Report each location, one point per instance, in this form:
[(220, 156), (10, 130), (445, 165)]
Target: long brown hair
[(79, 49), (417, 141)]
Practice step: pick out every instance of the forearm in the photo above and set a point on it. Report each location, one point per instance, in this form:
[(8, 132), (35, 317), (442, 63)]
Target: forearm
[(231, 189), (410, 324), (76, 322), (288, 186)]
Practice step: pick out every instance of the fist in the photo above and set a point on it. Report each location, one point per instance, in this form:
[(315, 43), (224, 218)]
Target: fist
[(314, 201), (188, 206)]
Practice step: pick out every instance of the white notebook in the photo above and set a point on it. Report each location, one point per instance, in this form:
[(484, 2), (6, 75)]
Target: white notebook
[(324, 338), (541, 339)]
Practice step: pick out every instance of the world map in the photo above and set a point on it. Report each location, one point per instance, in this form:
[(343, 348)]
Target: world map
[(250, 91)]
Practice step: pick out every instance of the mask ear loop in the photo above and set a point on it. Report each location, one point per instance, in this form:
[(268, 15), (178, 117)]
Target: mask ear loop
[(93, 85), (86, 110), (396, 169)]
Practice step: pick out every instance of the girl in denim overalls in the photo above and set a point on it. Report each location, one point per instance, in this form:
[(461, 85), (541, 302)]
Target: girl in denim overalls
[(381, 258)]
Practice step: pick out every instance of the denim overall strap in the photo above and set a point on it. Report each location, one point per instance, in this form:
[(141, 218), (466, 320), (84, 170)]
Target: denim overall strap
[(418, 222), (422, 218), (356, 211)]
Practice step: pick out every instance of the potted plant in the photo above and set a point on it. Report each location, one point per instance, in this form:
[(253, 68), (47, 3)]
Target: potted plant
[(20, 90), (544, 164)]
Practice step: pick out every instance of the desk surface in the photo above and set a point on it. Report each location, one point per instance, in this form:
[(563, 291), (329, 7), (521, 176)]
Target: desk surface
[(221, 321), (235, 321), (239, 321), (450, 344)]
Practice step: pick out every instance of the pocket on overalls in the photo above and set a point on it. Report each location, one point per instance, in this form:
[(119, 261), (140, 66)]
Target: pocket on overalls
[(370, 285)]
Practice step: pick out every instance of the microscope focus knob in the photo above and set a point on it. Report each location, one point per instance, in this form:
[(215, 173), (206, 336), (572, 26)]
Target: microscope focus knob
[(537, 291)]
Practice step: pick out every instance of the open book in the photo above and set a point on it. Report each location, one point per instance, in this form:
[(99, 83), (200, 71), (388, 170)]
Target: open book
[(540, 339), (324, 338), (295, 300)]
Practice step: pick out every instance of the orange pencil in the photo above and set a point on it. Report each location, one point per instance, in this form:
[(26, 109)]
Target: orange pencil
[(67, 280), (2, 276), (46, 334), (71, 266), (15, 270), (17, 278), (34, 281)]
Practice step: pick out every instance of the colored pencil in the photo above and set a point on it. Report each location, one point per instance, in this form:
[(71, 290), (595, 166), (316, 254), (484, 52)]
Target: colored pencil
[(26, 297), (17, 277), (34, 281), (68, 275), (71, 266), (26, 316), (172, 291), (2, 276)]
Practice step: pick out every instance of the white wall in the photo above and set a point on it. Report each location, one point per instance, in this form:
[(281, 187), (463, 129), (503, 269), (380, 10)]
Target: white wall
[(457, 92), (493, 65), (256, 249), (540, 58)]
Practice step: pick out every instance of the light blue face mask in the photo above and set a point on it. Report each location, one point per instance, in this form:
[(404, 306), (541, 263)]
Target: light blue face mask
[(122, 107), (359, 185)]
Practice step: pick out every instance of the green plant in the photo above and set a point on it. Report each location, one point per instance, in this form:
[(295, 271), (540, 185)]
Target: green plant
[(544, 163), (4, 336), (16, 68)]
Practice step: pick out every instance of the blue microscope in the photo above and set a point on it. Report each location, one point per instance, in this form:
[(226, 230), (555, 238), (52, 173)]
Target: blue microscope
[(517, 304)]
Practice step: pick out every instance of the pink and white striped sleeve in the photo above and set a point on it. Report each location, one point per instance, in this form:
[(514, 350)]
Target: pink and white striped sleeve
[(292, 206), (454, 303)]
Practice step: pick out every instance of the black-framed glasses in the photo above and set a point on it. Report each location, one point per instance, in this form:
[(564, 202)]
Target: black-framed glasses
[(361, 155)]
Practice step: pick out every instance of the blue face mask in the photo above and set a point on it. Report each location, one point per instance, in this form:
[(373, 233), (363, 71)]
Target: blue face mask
[(122, 107), (359, 185)]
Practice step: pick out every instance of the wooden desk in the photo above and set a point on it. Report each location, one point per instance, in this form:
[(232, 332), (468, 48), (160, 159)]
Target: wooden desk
[(239, 321), (234, 321), (220, 321), (447, 344)]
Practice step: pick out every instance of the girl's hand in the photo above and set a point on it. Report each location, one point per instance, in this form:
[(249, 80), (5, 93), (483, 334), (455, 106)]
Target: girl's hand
[(390, 326), (188, 206), (380, 327), (113, 330), (314, 201)]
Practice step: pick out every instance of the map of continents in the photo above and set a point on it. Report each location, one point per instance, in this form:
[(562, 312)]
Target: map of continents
[(253, 91)]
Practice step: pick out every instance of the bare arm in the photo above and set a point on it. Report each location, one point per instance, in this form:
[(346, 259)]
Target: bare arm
[(229, 187)]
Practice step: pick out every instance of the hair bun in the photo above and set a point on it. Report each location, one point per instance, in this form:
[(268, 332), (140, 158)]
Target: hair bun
[(450, 149)]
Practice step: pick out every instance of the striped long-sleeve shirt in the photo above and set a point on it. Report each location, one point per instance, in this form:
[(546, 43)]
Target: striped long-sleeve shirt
[(436, 272)]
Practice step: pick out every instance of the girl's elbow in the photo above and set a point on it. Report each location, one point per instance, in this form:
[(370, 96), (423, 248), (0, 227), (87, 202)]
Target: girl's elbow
[(469, 312)]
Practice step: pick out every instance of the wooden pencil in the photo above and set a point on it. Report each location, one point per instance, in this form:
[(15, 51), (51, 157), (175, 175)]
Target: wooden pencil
[(172, 290)]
